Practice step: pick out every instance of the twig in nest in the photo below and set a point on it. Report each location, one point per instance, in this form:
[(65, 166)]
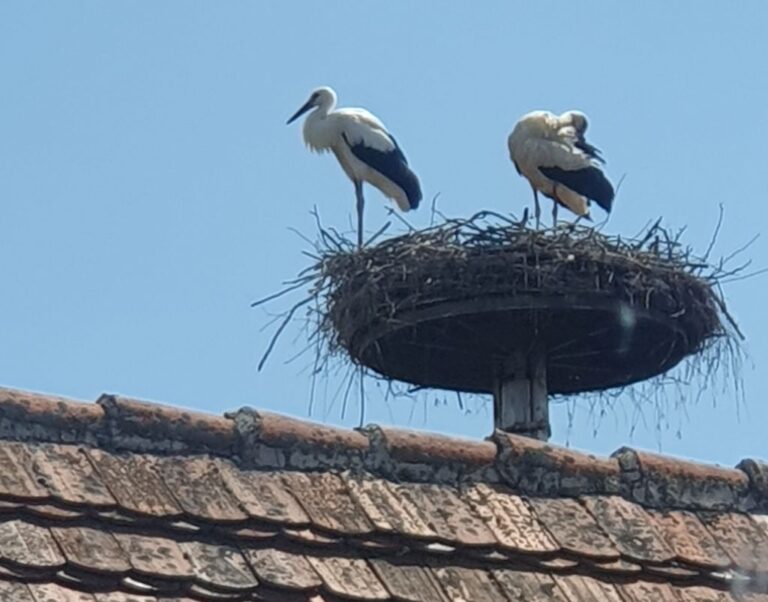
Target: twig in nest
[(282, 326), (713, 240)]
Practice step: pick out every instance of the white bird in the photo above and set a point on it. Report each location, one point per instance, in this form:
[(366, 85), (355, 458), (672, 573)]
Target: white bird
[(552, 154), (366, 150)]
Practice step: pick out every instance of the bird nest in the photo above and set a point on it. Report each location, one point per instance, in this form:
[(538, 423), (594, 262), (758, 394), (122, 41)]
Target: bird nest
[(448, 306)]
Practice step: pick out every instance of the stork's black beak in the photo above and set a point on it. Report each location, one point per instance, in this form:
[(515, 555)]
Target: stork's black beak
[(304, 108)]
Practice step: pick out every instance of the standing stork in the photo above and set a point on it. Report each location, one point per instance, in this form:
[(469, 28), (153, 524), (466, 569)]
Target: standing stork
[(366, 150), (553, 155)]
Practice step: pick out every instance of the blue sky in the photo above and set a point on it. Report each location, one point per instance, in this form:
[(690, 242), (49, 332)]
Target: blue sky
[(148, 180)]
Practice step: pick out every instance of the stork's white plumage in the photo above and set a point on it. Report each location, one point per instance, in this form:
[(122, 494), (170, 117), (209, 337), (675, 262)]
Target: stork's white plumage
[(551, 152), (365, 149)]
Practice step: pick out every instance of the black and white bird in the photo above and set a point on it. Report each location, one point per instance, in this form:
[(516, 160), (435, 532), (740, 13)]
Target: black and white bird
[(365, 149), (551, 152)]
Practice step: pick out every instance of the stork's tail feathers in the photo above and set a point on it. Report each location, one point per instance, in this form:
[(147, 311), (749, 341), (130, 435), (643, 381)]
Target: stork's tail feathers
[(412, 189), (588, 181), (392, 165)]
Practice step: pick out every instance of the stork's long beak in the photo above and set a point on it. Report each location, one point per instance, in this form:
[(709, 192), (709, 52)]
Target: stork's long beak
[(304, 108)]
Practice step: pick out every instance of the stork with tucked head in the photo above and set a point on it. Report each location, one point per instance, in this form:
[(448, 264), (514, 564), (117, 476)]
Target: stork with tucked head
[(365, 149), (551, 152)]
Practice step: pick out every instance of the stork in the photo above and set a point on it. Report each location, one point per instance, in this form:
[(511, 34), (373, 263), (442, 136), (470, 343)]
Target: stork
[(365, 149), (551, 152)]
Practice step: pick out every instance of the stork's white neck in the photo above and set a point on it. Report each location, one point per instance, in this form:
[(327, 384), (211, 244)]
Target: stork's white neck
[(326, 105), (318, 133)]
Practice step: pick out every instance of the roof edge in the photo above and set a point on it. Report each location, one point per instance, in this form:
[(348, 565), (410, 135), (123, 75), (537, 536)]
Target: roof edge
[(256, 439)]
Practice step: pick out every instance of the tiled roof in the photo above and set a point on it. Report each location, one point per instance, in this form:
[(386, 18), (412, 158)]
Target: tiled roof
[(124, 501)]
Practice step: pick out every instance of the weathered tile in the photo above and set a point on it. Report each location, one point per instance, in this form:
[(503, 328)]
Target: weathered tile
[(325, 498), (573, 527), (52, 592), (249, 533), (646, 591), (541, 468), (25, 574), (295, 434), (762, 521), (701, 593), (69, 476), (451, 518), (143, 426), (665, 482), (556, 563), (91, 549), (135, 483), (525, 586), (750, 596), (148, 584), (16, 482), (52, 512), (15, 592), (9, 507), (349, 578), (29, 545), (263, 494), (673, 572), (311, 537), (200, 592), (509, 519), (757, 472), (435, 547), (615, 567), (741, 538), (155, 556), (219, 567), (29, 416), (690, 540), (121, 517), (198, 487), (418, 447), (380, 543), (282, 569), (632, 530), (123, 597), (82, 581), (388, 509), (407, 582), (490, 555), (465, 584), (582, 588), (182, 526)]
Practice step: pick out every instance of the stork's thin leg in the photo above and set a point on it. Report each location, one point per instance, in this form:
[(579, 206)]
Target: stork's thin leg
[(554, 214), (360, 206), (537, 208)]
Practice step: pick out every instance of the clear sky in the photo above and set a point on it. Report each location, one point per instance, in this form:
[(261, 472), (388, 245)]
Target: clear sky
[(148, 180)]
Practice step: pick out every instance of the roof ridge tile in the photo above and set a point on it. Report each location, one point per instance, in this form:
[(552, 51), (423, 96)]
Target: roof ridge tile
[(27, 416), (665, 482), (255, 439), (152, 427), (757, 472), (269, 440), (542, 468), (404, 454)]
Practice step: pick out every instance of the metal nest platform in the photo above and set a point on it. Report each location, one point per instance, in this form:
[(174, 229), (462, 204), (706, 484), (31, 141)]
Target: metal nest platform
[(462, 305)]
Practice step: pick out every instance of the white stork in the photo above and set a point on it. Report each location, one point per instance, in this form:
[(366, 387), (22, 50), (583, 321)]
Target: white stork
[(366, 150), (554, 157)]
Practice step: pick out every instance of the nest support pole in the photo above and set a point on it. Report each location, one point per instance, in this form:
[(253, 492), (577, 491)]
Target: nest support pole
[(520, 395)]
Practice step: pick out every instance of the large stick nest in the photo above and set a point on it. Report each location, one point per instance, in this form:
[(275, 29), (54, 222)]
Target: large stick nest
[(448, 306)]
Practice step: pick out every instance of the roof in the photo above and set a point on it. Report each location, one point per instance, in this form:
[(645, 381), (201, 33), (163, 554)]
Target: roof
[(126, 501)]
